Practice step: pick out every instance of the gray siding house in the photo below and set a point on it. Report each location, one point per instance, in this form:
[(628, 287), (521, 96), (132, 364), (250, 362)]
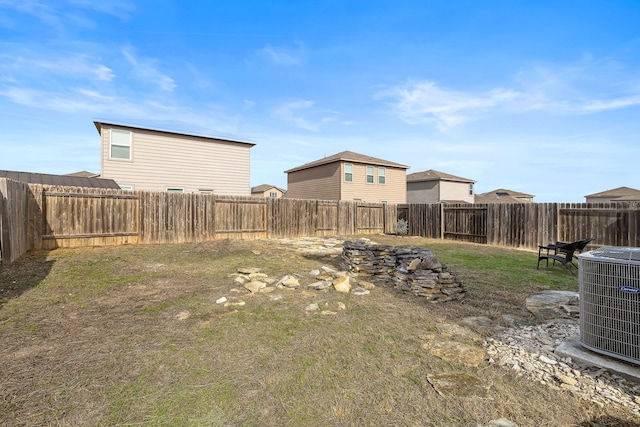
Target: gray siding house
[(433, 186), (141, 158)]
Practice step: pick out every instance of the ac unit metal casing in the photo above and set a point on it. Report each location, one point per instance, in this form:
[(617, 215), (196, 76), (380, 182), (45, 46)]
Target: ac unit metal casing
[(609, 280)]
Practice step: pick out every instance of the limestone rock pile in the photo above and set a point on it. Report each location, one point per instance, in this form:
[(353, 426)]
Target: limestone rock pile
[(412, 270)]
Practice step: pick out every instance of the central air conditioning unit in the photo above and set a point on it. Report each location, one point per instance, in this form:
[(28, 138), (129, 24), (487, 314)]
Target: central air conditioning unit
[(609, 280)]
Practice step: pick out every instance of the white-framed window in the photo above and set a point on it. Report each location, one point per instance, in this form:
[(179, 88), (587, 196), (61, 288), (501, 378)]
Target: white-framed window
[(126, 187), (273, 194), (120, 147), (382, 175), (369, 175), (205, 190), (384, 202), (175, 190), (471, 189), (348, 172)]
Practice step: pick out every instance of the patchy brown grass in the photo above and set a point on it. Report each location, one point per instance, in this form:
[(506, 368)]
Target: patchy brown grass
[(93, 337)]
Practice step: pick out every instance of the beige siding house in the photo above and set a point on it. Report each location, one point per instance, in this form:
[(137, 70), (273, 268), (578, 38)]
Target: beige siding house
[(502, 195), (140, 158), (266, 190), (348, 176), (432, 186), (620, 194)]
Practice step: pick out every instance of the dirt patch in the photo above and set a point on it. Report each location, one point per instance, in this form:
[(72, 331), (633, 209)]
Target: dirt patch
[(134, 336)]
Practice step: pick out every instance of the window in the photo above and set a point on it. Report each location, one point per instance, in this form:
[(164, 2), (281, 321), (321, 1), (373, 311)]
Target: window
[(120, 144), (205, 190), (126, 187), (175, 190), (384, 202), (348, 172), (471, 189), (273, 194), (382, 175), (369, 174)]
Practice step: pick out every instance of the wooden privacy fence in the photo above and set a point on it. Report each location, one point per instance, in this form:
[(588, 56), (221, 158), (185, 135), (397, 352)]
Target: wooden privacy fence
[(47, 217), (34, 217), (526, 225)]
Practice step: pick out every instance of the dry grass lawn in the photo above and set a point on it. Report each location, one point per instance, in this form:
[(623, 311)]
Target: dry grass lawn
[(132, 336)]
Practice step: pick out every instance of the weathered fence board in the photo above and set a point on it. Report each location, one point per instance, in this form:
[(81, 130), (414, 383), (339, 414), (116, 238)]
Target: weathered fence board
[(14, 228)]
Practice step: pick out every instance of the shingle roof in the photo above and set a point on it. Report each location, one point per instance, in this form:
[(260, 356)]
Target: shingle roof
[(264, 187), (617, 192), (506, 193), (172, 128), (434, 175), (492, 198), (66, 180), (348, 156)]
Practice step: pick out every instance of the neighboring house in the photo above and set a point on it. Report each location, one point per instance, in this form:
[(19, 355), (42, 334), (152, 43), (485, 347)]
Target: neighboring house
[(504, 196), (432, 186), (620, 194), (348, 176), (266, 190), (65, 180), (141, 158)]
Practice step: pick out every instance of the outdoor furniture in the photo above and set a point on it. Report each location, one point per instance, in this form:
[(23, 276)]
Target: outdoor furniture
[(562, 252)]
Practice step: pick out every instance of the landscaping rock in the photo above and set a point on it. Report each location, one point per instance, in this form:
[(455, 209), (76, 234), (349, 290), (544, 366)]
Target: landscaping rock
[(341, 284), (553, 304)]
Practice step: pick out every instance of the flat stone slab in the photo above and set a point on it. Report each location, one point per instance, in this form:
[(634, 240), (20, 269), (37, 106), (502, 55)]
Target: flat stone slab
[(458, 385)]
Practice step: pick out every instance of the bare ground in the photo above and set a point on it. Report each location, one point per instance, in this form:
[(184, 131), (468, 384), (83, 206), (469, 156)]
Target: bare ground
[(133, 336)]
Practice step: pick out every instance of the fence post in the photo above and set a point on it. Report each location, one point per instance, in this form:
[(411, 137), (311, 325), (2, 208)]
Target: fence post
[(5, 235), (442, 221)]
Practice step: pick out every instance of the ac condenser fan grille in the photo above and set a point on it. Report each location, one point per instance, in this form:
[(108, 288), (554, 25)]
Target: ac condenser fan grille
[(610, 302)]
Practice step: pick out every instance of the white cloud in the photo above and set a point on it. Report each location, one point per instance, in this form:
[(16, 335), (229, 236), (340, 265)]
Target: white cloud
[(283, 55), (302, 114), (425, 102), (145, 68)]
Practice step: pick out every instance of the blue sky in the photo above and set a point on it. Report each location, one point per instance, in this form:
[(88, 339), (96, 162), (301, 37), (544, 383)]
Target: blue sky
[(540, 97)]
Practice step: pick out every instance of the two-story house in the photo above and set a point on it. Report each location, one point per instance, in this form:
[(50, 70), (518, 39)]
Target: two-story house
[(142, 158), (348, 176), (432, 186)]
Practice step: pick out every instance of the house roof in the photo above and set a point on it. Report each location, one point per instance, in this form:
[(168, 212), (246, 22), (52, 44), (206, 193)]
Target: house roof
[(174, 129), (501, 192), (620, 192), (66, 180), (348, 156), (83, 174), (434, 175), (493, 198), (265, 187)]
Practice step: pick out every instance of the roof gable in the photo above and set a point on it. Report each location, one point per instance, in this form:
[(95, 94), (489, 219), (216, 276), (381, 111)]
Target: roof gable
[(617, 192), (434, 175), (168, 129), (265, 187), (348, 156), (501, 192)]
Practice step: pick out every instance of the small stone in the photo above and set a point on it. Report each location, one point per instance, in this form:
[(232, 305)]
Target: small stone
[(256, 252), (341, 284), (221, 300), (320, 285), (248, 270), (291, 282), (267, 290), (567, 380), (183, 315), (360, 291), (240, 280), (366, 285), (314, 273), (341, 305), (546, 360), (235, 304), (312, 307), (327, 312), (328, 270), (255, 286)]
